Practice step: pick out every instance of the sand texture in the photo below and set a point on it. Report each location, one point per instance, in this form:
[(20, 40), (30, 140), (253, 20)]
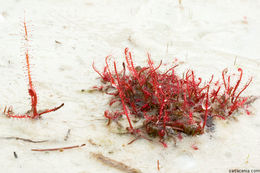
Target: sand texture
[(67, 36)]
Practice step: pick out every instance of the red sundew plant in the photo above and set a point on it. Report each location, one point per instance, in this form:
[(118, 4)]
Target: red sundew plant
[(167, 104), (33, 113)]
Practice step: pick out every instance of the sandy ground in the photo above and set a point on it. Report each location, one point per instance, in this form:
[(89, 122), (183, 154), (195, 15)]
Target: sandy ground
[(67, 36)]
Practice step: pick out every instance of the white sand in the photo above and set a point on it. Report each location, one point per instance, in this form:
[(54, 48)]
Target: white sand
[(206, 35)]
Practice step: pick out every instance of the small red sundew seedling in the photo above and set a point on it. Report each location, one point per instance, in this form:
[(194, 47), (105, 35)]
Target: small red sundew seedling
[(33, 113), (194, 147), (166, 104)]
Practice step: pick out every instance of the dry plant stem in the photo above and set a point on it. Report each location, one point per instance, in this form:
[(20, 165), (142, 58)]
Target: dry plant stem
[(93, 143), (251, 99), (34, 114), (15, 155), (24, 139), (137, 137), (67, 135), (60, 149), (115, 164)]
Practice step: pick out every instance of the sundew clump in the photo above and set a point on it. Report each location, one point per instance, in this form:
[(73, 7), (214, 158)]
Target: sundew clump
[(168, 105)]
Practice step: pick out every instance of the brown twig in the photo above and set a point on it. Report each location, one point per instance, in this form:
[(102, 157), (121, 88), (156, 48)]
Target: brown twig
[(115, 164), (23, 139), (59, 149), (251, 99), (93, 143), (58, 42)]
